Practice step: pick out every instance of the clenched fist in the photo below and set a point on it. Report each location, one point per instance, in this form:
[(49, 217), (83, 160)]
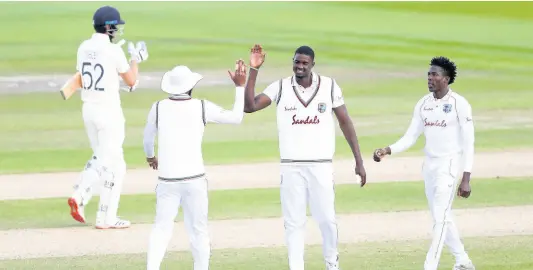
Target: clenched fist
[(380, 153)]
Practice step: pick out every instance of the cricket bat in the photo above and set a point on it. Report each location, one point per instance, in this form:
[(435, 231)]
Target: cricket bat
[(70, 86)]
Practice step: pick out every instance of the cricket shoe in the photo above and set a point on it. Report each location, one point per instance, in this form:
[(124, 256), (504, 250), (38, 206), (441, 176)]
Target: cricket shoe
[(118, 224), (464, 266), (331, 266), (76, 210)]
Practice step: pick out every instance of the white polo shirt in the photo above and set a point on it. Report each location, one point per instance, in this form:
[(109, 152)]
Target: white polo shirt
[(99, 61), (306, 128), (447, 124)]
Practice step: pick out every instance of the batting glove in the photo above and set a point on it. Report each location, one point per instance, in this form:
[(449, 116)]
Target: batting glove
[(127, 88), (138, 53)]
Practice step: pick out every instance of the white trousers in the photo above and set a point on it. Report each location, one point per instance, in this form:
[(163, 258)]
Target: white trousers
[(441, 177), (303, 184), (105, 129), (192, 196)]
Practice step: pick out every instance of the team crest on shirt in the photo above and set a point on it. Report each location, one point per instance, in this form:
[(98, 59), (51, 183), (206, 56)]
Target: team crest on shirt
[(447, 108), (321, 107)]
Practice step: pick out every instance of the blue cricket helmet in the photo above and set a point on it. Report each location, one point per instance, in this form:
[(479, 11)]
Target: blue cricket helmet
[(107, 15)]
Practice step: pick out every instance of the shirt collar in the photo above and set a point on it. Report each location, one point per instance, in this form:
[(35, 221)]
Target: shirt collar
[(445, 97), (314, 80), (101, 37), (179, 97)]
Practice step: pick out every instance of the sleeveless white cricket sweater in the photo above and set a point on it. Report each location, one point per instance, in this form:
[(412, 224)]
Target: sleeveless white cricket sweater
[(180, 130), (306, 131)]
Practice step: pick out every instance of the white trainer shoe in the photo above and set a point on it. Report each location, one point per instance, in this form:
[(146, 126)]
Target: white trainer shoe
[(118, 224), (76, 210), (464, 266)]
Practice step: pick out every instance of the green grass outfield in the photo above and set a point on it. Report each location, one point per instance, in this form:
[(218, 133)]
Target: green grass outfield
[(481, 36), (488, 253), (41, 132), (261, 203)]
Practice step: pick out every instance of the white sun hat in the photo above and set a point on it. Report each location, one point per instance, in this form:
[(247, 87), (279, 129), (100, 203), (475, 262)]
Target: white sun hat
[(179, 80)]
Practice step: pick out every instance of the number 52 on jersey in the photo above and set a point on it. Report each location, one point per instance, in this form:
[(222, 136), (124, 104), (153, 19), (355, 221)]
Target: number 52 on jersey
[(84, 80)]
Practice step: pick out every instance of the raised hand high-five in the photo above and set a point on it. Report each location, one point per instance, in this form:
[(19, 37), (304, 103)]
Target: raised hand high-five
[(239, 76), (257, 56)]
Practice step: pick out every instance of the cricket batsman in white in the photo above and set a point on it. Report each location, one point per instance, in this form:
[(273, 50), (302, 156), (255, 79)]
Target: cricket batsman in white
[(101, 63), (445, 118), (179, 122), (305, 105)]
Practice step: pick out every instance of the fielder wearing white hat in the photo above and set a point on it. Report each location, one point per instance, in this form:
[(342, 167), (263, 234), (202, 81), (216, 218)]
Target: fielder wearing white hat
[(179, 80), (179, 122)]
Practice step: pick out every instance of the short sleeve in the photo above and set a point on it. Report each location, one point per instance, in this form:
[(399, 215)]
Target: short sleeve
[(272, 91), (337, 97), (122, 62)]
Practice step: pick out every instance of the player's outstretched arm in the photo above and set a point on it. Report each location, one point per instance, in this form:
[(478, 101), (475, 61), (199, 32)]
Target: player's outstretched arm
[(415, 129), (216, 114), (253, 103)]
